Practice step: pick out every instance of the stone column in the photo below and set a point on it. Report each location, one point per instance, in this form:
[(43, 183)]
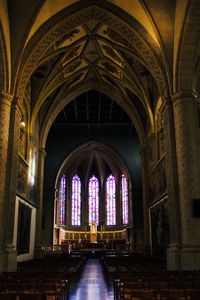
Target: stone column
[(40, 183), (143, 154), (171, 186), (12, 179), (187, 148), (5, 107), (55, 231)]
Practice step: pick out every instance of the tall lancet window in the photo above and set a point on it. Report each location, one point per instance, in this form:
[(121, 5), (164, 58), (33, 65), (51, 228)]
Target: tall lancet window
[(110, 201), (124, 193), (62, 191), (93, 201), (76, 200)]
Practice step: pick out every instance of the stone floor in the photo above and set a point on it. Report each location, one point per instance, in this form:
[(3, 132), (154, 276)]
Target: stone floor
[(92, 285)]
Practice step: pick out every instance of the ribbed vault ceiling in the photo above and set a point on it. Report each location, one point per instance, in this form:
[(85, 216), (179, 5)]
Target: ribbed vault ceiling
[(94, 52)]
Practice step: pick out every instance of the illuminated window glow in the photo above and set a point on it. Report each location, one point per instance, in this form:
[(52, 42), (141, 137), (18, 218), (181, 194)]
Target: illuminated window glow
[(76, 200), (110, 201), (62, 200), (32, 167), (124, 191), (93, 201)]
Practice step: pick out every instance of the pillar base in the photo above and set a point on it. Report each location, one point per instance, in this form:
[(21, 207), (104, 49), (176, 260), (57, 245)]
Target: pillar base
[(173, 258), (184, 259), (8, 259)]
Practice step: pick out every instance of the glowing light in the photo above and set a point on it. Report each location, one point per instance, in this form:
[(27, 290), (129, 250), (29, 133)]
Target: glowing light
[(32, 167), (93, 201), (124, 191), (76, 200), (62, 200), (110, 201)]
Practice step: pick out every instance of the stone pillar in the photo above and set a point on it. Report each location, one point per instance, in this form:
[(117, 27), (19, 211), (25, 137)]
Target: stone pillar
[(12, 179), (173, 262), (7, 262), (40, 182), (143, 154), (187, 148), (55, 231)]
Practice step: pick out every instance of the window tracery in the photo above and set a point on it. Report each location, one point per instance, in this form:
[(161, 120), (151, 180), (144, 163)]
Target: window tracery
[(62, 191), (93, 200), (110, 201), (124, 193), (76, 201)]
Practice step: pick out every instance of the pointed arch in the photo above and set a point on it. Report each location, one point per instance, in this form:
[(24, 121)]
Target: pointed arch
[(67, 97), (93, 200), (68, 19), (4, 70), (124, 195), (5, 52), (76, 201), (111, 201), (62, 192)]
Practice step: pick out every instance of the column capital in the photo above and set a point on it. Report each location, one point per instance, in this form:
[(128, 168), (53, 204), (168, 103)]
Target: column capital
[(6, 98), (183, 96)]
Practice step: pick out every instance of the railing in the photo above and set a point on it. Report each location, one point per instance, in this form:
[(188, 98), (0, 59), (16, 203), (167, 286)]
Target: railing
[(73, 246), (55, 248)]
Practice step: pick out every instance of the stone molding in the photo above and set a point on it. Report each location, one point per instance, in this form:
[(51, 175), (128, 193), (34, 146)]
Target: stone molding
[(6, 98), (65, 96), (183, 97)]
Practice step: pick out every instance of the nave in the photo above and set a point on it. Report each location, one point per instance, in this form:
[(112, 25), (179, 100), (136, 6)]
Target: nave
[(97, 275), (92, 284)]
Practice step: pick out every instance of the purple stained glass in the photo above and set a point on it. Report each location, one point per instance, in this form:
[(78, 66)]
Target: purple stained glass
[(76, 200), (124, 191), (93, 201), (62, 200), (110, 201)]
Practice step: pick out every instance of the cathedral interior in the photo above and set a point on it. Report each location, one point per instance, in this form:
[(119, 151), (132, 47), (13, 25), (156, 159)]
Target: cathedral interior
[(99, 125)]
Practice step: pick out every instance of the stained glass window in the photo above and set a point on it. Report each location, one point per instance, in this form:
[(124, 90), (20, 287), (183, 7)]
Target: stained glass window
[(76, 200), (124, 193), (62, 200), (93, 201), (110, 201)]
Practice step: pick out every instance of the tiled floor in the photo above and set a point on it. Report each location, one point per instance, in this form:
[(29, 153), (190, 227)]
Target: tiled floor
[(92, 284)]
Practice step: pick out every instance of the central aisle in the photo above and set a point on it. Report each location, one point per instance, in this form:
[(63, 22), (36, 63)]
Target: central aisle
[(92, 284)]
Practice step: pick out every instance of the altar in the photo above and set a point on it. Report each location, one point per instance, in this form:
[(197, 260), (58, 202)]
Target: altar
[(93, 232)]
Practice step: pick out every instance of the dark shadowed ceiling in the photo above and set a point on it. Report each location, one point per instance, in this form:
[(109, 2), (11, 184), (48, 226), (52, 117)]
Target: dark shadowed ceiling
[(93, 114)]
